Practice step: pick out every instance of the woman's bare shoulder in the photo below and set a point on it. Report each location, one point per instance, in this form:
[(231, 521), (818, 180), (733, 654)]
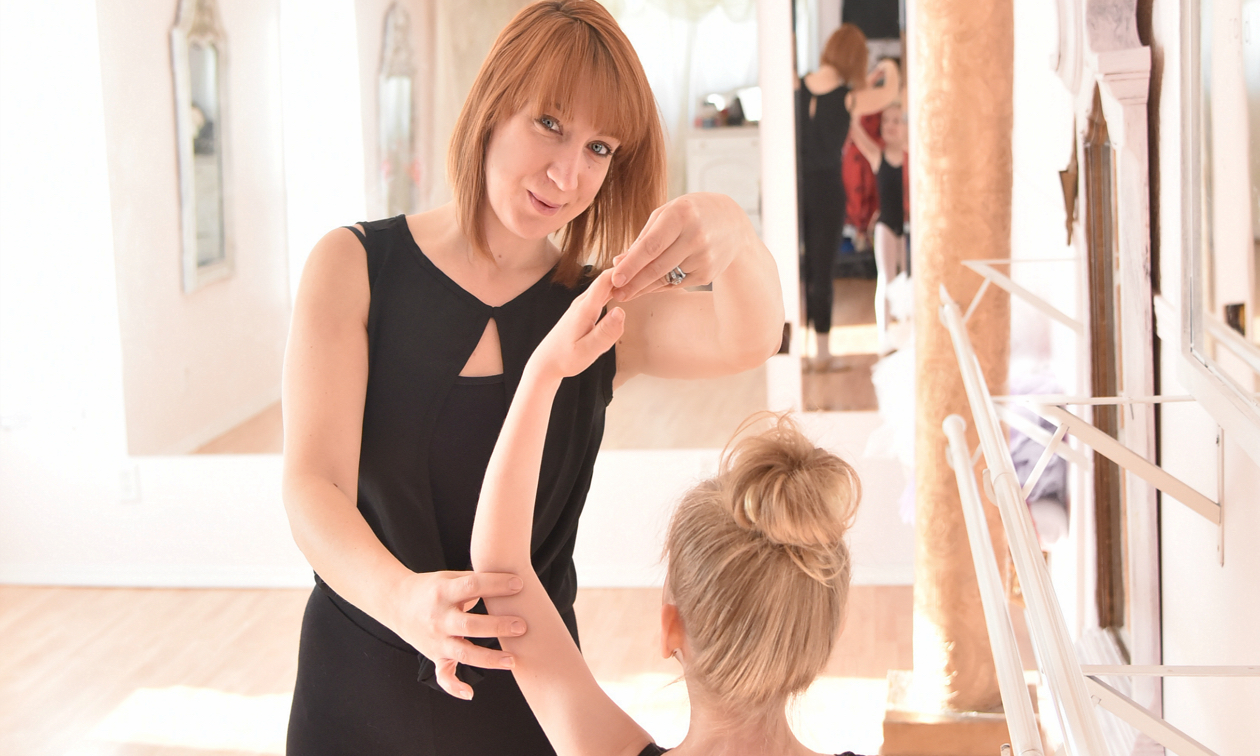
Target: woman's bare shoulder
[(334, 278)]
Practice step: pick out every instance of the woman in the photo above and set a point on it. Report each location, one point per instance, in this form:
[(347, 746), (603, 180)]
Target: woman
[(409, 337), (826, 101), (890, 225), (757, 579)]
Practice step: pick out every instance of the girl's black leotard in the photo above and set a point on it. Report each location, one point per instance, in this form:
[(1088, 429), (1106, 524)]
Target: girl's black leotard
[(427, 436), (892, 210)]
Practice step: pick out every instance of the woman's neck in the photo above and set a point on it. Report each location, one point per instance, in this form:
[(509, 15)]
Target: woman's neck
[(717, 730), (511, 252)]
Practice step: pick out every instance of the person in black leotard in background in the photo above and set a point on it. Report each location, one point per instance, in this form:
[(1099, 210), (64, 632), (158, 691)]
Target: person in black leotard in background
[(890, 234), (408, 340), (757, 580), (827, 100)]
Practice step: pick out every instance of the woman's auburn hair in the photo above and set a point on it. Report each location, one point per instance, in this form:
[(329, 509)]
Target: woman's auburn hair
[(552, 56), (758, 566), (846, 52)]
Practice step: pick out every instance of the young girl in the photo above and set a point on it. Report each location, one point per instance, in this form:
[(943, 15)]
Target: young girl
[(757, 580), (890, 238)]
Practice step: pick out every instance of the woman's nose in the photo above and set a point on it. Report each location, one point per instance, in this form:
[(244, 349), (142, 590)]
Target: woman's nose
[(564, 168)]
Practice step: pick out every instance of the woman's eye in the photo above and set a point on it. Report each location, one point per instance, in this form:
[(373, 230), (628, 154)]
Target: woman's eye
[(549, 123), (601, 149)]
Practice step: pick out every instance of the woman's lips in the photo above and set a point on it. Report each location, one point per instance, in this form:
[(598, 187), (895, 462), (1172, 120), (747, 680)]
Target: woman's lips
[(542, 207)]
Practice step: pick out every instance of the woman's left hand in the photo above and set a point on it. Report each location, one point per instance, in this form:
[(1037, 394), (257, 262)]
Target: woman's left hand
[(700, 233)]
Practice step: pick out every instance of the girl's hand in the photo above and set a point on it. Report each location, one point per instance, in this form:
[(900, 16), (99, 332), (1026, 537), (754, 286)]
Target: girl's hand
[(581, 335), (700, 233)]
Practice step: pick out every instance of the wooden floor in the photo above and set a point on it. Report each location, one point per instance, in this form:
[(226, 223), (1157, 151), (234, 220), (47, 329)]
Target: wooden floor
[(261, 434), (126, 672)]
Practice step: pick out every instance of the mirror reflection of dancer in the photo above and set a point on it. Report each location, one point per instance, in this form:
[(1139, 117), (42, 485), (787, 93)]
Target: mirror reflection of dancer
[(890, 238), (827, 100), (409, 338), (758, 572)]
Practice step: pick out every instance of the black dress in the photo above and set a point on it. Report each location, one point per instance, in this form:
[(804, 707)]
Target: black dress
[(427, 435), (820, 141)]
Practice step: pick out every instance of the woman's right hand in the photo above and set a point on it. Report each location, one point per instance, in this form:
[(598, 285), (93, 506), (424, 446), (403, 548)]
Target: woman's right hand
[(430, 615)]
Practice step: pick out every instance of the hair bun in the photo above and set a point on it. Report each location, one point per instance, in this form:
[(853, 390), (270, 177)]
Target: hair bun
[(788, 490)]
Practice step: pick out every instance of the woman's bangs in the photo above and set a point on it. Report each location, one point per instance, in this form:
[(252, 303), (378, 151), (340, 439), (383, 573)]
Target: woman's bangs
[(582, 71)]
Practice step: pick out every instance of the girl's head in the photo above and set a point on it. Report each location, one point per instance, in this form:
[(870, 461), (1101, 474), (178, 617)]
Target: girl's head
[(566, 106), (892, 125), (758, 567), (846, 52)]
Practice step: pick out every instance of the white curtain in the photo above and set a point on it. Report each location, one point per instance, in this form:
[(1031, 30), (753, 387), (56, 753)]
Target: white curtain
[(689, 48)]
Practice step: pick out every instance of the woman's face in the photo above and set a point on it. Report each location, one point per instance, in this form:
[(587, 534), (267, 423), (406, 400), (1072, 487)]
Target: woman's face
[(542, 171)]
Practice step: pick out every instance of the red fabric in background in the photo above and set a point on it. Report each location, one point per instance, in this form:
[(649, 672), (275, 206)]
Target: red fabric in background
[(860, 191), (861, 194)]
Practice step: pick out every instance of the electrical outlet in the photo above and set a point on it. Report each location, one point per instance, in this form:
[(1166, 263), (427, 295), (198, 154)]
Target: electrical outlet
[(129, 484)]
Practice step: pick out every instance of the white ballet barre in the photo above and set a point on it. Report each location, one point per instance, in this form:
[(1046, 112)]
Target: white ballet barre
[(1021, 722), (1066, 678), (992, 276), (1059, 666)]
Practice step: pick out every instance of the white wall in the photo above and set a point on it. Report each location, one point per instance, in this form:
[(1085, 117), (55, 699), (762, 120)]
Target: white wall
[(634, 492), (63, 436), (1210, 611), (194, 365)]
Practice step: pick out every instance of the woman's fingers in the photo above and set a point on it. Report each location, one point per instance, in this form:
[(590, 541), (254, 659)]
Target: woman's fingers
[(445, 673), (468, 625), (465, 586), (654, 253), (458, 650)]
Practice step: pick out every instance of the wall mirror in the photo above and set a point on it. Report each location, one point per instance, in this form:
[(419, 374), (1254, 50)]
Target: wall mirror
[(1220, 328), (199, 60), (872, 296), (395, 97)]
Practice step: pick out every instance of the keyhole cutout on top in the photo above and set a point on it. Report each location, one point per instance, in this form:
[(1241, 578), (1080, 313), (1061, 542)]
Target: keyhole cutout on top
[(487, 356), (813, 106)]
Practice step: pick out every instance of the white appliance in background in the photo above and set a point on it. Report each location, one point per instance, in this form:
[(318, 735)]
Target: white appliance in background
[(727, 160)]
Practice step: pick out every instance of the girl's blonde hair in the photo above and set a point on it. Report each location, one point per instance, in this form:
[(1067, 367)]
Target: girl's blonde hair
[(846, 52), (758, 566), (551, 56)]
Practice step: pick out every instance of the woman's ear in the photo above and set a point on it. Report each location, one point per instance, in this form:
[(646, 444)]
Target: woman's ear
[(672, 634)]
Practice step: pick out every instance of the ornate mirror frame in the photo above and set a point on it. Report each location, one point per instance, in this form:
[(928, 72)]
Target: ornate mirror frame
[(396, 98), (201, 140), (1233, 407)]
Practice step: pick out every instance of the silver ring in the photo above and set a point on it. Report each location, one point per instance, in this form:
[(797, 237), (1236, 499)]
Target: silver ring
[(675, 276)]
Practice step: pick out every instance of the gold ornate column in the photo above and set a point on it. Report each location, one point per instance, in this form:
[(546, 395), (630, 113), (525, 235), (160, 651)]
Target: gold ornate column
[(961, 61)]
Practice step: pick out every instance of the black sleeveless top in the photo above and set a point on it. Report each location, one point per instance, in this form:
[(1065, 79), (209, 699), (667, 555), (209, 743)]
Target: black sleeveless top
[(892, 209), (820, 138), (428, 433)]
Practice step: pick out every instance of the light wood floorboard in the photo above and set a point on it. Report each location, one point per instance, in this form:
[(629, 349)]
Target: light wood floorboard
[(116, 672)]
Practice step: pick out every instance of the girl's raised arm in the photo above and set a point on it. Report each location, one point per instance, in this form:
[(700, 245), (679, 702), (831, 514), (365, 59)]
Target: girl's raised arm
[(867, 146), (575, 713)]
